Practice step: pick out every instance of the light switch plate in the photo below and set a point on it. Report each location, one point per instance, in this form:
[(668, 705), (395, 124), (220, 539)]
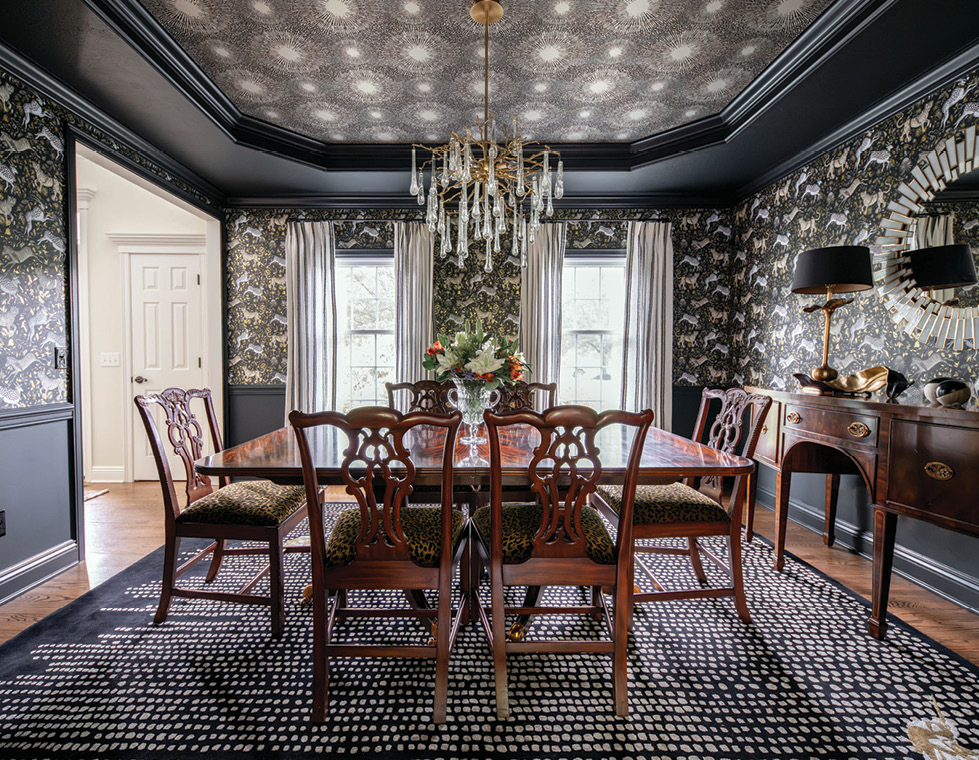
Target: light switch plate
[(109, 360), (60, 357)]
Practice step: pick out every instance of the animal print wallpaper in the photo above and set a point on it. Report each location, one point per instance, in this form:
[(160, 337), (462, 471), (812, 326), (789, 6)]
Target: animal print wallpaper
[(32, 248), (33, 239), (703, 255), (838, 199)]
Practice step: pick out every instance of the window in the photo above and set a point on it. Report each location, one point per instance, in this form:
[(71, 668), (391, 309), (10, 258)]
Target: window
[(592, 326), (365, 328)]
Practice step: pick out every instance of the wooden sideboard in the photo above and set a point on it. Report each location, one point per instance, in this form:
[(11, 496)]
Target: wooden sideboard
[(916, 461)]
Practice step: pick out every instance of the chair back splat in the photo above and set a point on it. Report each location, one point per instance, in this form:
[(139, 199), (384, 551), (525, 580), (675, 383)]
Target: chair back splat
[(521, 395), (735, 430), (422, 395)]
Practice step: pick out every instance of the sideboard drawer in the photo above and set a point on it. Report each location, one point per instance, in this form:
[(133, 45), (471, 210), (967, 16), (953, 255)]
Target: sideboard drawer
[(933, 468), (767, 448), (841, 424)]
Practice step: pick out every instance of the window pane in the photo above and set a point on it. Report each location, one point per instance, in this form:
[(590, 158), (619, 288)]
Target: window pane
[(365, 301), (591, 342)]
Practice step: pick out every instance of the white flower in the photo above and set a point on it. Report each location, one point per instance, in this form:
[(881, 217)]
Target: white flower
[(446, 360), (485, 362)]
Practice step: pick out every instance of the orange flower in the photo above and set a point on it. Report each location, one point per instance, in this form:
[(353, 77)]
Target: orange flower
[(437, 347)]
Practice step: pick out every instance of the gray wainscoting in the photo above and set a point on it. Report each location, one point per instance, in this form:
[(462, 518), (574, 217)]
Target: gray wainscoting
[(37, 497)]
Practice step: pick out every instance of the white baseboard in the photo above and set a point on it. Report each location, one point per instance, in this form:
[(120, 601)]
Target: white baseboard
[(107, 475)]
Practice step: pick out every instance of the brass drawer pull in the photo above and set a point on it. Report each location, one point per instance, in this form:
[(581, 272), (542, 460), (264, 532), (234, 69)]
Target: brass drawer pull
[(858, 430), (794, 417), (939, 471)]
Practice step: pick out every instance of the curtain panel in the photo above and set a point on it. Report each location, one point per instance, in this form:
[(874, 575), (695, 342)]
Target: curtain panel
[(414, 255), (540, 303), (647, 377), (311, 315)]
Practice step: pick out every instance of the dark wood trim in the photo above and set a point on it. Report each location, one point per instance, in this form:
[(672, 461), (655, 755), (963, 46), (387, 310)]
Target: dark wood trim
[(953, 67), (76, 488), (52, 88), (928, 572), (18, 578), (35, 415)]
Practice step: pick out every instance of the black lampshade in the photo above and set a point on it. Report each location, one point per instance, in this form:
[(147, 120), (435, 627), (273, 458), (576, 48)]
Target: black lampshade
[(944, 266), (844, 268)]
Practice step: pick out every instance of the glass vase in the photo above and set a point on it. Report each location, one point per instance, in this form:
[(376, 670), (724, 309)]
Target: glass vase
[(471, 397)]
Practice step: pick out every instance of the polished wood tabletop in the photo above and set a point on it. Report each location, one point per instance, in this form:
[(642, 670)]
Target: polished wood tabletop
[(276, 456)]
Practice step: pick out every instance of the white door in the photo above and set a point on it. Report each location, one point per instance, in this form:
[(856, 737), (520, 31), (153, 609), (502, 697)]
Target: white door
[(167, 341)]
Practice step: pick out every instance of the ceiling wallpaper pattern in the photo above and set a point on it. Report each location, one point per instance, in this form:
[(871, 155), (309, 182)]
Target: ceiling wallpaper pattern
[(400, 71)]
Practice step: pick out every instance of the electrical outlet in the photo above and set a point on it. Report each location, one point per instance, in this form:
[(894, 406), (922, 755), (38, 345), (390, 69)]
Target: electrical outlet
[(60, 357), (3, 522)]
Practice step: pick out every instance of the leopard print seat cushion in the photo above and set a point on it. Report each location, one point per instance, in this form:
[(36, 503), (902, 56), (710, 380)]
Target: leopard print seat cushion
[(521, 521), (251, 502), (422, 527), (675, 502)]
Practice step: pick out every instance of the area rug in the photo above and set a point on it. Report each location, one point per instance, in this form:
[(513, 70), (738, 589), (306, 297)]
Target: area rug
[(804, 680)]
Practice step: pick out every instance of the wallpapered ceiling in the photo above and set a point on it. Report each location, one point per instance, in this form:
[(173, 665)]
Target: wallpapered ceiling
[(256, 284), (839, 199), (577, 70)]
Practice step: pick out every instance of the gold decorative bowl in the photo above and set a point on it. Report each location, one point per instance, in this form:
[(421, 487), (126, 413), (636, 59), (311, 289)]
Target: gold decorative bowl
[(865, 381)]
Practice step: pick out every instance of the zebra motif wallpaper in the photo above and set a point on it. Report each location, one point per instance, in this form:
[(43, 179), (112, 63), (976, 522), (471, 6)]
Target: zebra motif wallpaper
[(838, 199), (32, 248), (255, 238)]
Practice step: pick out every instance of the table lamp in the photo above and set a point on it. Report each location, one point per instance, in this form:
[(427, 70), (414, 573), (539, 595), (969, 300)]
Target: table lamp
[(837, 269), (944, 266)]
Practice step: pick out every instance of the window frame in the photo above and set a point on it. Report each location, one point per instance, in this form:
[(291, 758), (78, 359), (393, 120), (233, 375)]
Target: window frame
[(595, 257), (349, 259)]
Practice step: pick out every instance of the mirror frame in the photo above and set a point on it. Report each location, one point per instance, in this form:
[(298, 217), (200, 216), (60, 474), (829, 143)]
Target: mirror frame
[(920, 315)]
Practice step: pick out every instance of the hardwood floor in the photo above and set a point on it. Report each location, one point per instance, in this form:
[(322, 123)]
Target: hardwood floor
[(127, 523)]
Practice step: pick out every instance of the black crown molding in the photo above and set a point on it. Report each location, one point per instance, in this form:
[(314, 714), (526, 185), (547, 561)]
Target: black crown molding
[(23, 68), (399, 201), (832, 29), (958, 63)]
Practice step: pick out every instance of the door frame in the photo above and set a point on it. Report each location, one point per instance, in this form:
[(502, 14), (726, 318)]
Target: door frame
[(150, 244)]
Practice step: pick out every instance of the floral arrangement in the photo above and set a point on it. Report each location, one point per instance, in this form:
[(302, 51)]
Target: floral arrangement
[(473, 355)]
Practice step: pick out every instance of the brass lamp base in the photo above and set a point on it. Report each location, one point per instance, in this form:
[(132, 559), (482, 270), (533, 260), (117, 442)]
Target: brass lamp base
[(824, 373)]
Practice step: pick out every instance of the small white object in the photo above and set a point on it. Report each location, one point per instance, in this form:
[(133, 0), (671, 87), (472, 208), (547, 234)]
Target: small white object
[(109, 360)]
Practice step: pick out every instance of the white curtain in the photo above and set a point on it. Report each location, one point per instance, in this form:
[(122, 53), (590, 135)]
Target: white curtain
[(540, 303), (647, 376), (311, 313), (931, 231), (414, 253)]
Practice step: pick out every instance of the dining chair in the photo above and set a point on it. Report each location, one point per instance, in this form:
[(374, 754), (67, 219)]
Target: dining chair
[(558, 539), (421, 396), (522, 395), (693, 510), (383, 543), (251, 511)]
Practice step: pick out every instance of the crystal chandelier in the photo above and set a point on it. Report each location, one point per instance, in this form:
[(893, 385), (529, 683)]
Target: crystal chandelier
[(490, 187)]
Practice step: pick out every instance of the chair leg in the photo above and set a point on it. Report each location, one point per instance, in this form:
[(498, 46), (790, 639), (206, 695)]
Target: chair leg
[(518, 630), (499, 643), (622, 621), (698, 567), (277, 588), (169, 578), (442, 649), (737, 576), (749, 531), (216, 558), (321, 661)]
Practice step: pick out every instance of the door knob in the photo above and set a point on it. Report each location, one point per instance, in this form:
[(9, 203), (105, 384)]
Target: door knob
[(140, 379)]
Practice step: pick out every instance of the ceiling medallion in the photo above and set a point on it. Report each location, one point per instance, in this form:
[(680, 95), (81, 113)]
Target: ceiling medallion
[(507, 187)]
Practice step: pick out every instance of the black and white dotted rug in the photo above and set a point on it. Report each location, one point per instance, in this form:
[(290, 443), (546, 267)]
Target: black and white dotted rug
[(804, 680)]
